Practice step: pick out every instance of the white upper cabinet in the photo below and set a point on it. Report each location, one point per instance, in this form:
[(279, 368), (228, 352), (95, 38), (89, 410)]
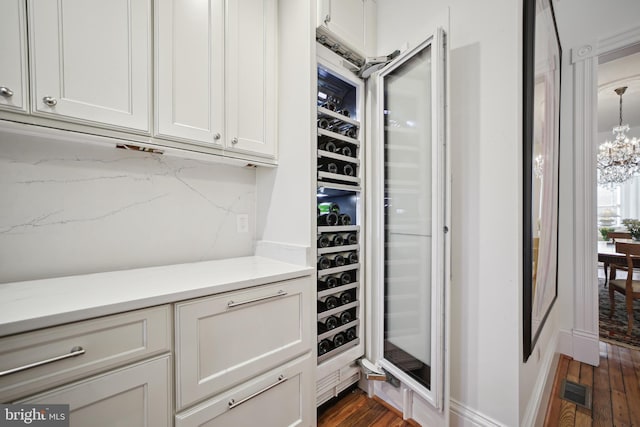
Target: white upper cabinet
[(251, 77), (189, 56), (346, 19), (13, 67), (90, 61)]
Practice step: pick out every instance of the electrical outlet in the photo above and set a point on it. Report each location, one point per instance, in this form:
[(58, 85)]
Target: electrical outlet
[(242, 223)]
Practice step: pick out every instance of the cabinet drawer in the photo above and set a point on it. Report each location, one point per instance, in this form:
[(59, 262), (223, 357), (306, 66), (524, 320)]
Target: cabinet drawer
[(107, 342), (224, 340), (136, 395), (278, 398)]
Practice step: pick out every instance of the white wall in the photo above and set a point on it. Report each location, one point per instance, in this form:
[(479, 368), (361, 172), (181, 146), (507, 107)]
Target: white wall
[(79, 207), (485, 122), (286, 196)]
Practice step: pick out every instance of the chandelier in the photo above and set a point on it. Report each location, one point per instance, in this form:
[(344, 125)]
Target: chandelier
[(618, 160)]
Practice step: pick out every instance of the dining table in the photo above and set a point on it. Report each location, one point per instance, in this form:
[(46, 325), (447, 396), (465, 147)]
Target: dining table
[(607, 255)]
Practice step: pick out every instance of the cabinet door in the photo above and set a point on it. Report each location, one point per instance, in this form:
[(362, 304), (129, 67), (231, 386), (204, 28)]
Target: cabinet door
[(90, 61), (345, 19), (189, 56), (251, 76), (279, 398), (224, 340), (13, 68), (138, 395)]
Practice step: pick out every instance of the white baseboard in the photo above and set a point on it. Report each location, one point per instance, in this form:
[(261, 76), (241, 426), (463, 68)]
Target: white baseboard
[(285, 252), (586, 347), (464, 416), (583, 346)]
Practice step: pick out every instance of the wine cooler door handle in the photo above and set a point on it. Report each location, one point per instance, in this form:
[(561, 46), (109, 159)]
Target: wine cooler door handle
[(279, 294), (233, 403), (75, 351)]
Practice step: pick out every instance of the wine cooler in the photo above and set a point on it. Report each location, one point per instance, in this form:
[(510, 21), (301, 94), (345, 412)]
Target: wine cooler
[(340, 282)]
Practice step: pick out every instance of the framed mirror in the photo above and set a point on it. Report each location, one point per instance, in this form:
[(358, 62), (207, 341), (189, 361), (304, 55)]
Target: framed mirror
[(541, 152)]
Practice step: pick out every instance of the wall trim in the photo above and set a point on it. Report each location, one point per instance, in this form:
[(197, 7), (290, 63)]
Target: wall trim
[(471, 417)]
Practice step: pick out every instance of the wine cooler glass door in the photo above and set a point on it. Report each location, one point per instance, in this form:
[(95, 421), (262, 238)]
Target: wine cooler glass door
[(413, 212)]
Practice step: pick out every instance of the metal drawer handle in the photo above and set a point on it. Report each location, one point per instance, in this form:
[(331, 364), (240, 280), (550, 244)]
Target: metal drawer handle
[(233, 403), (280, 293), (6, 92), (75, 351), (49, 101)]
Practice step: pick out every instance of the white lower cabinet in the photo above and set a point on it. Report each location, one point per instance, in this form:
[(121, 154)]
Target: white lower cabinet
[(225, 340), (137, 395), (276, 399)]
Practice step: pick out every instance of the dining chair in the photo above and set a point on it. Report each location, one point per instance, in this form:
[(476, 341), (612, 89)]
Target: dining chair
[(628, 287), (613, 235)]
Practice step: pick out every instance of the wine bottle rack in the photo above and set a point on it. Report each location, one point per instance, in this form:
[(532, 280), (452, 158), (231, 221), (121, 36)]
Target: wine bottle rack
[(339, 172)]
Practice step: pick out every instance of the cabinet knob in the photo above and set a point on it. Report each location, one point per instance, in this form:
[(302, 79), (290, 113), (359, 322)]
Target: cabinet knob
[(216, 136), (6, 92), (327, 19), (49, 101), (234, 141)]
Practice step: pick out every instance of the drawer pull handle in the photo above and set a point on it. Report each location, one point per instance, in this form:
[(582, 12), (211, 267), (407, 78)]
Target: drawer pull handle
[(231, 304), (75, 351), (233, 403)]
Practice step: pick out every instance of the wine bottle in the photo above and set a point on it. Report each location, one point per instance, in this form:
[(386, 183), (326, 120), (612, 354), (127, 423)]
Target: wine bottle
[(323, 241), (329, 106), (338, 339), (335, 239), (337, 260), (344, 112), (327, 303), (353, 257), (328, 283), (323, 262), (351, 132), (351, 239), (345, 317), (329, 146), (348, 170), (344, 219), (345, 298), (323, 347), (326, 207), (351, 334), (345, 151), (327, 166), (345, 278), (329, 219), (323, 123), (331, 322)]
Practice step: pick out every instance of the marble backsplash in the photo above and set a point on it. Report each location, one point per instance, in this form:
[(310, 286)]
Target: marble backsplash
[(73, 208)]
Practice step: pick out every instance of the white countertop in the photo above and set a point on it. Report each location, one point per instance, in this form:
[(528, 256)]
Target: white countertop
[(38, 304)]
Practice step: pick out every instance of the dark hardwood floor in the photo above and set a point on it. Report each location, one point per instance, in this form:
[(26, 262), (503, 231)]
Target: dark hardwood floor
[(616, 390), (355, 409)]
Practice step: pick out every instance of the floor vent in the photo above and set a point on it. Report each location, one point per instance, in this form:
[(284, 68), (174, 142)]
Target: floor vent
[(579, 394)]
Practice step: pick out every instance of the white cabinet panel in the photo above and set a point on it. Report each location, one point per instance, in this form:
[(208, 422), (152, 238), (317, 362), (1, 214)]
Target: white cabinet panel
[(251, 76), (90, 61), (13, 67), (107, 342), (190, 70), (345, 19), (279, 398), (224, 340), (138, 395)]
